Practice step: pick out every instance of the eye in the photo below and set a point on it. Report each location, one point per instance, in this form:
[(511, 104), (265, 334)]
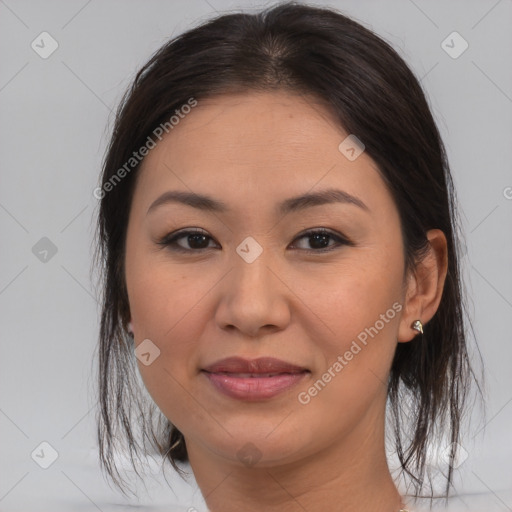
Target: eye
[(197, 239), (319, 240)]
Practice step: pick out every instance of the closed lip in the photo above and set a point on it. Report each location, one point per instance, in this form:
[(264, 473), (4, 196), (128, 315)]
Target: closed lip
[(262, 365)]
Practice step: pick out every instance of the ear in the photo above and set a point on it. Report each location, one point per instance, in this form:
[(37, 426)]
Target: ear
[(424, 287)]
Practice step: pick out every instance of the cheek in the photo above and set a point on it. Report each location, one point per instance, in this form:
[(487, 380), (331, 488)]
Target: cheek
[(163, 309), (355, 295), (167, 306), (160, 295), (169, 311), (360, 303), (361, 309)]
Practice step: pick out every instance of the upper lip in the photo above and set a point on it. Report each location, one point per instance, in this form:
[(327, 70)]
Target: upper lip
[(260, 365)]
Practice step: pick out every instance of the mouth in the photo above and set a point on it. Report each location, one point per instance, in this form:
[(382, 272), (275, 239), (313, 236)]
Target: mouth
[(266, 366), (253, 387), (253, 375)]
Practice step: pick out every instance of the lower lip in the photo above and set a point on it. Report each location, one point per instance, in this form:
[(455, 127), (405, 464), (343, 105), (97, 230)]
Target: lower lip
[(254, 388)]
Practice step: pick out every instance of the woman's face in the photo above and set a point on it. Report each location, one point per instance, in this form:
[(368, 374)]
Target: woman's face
[(257, 285)]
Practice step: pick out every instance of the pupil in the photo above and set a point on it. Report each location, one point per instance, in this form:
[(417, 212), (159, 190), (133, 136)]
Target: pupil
[(322, 237), (196, 237)]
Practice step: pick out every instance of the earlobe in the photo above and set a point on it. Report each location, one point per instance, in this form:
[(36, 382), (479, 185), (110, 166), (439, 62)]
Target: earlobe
[(425, 287)]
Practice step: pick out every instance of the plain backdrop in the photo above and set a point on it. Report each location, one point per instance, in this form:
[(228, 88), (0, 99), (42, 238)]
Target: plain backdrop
[(55, 121)]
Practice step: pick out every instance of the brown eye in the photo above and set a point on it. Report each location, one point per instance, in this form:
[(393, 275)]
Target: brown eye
[(194, 240), (319, 240)]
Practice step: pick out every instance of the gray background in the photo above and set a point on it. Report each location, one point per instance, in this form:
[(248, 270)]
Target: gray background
[(55, 119)]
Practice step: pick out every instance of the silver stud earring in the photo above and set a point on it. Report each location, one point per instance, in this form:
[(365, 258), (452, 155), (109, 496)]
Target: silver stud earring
[(418, 326)]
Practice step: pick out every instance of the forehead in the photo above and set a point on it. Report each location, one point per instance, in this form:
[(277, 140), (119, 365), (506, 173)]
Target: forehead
[(244, 123), (257, 144)]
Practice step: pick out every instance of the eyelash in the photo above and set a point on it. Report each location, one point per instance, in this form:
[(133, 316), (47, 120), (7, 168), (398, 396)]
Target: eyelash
[(171, 239)]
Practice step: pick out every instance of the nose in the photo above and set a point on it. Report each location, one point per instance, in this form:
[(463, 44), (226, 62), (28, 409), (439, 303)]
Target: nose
[(254, 298)]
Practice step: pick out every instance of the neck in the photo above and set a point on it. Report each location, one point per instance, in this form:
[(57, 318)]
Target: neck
[(349, 476)]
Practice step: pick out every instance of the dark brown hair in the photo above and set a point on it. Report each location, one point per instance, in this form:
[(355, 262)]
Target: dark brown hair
[(371, 91)]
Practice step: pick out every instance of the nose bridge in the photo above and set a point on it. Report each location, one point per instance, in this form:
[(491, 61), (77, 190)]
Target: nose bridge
[(251, 261), (251, 294)]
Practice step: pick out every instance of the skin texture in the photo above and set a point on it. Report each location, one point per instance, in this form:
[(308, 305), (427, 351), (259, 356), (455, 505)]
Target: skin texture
[(253, 151)]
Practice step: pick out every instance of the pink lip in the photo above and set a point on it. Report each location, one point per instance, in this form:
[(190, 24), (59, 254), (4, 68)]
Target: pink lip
[(255, 379), (260, 365), (253, 388)]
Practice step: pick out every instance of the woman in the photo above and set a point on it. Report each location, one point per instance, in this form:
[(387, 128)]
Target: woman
[(278, 237)]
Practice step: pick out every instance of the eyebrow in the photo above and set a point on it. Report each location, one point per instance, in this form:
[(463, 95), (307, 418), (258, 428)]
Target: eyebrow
[(293, 204)]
